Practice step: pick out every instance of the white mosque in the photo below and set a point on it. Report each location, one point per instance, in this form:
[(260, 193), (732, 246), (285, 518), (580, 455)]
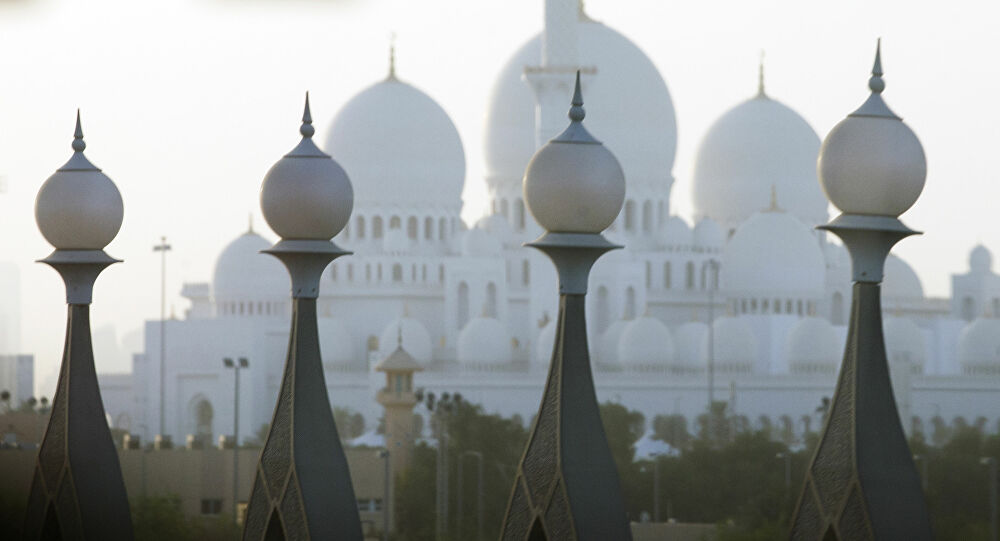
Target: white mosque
[(748, 287)]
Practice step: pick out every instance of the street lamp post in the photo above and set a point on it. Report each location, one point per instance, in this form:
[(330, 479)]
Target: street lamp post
[(163, 248), (384, 455), (241, 362), (862, 482), (991, 462), (440, 409), (77, 491), (567, 486), (479, 495), (303, 485)]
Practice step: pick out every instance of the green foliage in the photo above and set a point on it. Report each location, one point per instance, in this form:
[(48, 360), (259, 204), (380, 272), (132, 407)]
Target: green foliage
[(160, 518), (350, 424)]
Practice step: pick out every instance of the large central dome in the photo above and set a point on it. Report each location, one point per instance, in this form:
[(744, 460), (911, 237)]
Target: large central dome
[(628, 109), (756, 147), (398, 146)]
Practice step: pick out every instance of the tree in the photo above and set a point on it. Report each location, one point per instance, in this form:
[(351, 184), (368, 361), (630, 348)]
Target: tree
[(672, 429), (350, 424)]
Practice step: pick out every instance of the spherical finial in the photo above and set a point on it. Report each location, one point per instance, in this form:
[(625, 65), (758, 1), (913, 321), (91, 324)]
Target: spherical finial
[(577, 113), (78, 143), (871, 162), (306, 195), (79, 207), (574, 184), (307, 129)]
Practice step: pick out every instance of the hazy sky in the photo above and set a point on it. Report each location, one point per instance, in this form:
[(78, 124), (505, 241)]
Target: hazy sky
[(187, 103)]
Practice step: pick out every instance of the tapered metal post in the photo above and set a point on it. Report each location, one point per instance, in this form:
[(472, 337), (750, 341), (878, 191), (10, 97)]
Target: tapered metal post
[(242, 362), (163, 248), (567, 485), (303, 485), (78, 491)]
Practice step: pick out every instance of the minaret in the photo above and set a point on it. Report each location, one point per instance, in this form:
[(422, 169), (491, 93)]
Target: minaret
[(398, 399), (552, 80)]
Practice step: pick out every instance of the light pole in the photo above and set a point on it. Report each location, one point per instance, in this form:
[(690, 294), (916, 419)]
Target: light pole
[(922, 459), (79, 211), (142, 461), (574, 187), (787, 457), (163, 248), (992, 464), (862, 477), (479, 495), (241, 362), (713, 267), (384, 455), (303, 484), (440, 409)]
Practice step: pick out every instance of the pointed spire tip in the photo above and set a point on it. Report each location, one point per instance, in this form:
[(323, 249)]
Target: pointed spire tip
[(78, 144), (307, 130), (577, 112), (876, 84)]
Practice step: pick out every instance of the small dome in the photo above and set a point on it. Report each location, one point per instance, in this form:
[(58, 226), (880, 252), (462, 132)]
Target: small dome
[(243, 273), (574, 184), (813, 346), (980, 260), (79, 207), (546, 341), (415, 339), (871, 162), (608, 350), (904, 342), (773, 253), (900, 281), (759, 145), (676, 232), (735, 345), (400, 147), (708, 234), (691, 345), (336, 345), (478, 242), (979, 345), (645, 343), (306, 195), (484, 341)]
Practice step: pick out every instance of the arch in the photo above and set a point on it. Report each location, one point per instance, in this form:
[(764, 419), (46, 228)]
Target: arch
[(377, 227), (201, 416), (602, 310), (519, 214), (629, 312), (666, 275), (428, 228), (350, 272), (368, 272), (397, 272), (412, 227), (968, 308), (359, 227), (647, 217), (423, 273), (525, 272), (629, 215), (463, 304), (649, 274), (505, 208), (395, 222), (441, 274), (660, 218), (491, 300), (442, 229), (689, 275), (372, 343)]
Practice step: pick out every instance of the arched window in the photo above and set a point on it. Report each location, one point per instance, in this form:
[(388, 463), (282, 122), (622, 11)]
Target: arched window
[(379, 272), (241, 308), (368, 272), (629, 303), (519, 214), (689, 275), (659, 214), (395, 223), (649, 274), (491, 300), (777, 306), (463, 304), (350, 272), (442, 229), (359, 227), (372, 343), (666, 275), (413, 272), (602, 309), (428, 228), (377, 227), (423, 273), (799, 307), (397, 272), (441, 274), (647, 217), (837, 309), (525, 272), (968, 309), (411, 228), (629, 215)]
